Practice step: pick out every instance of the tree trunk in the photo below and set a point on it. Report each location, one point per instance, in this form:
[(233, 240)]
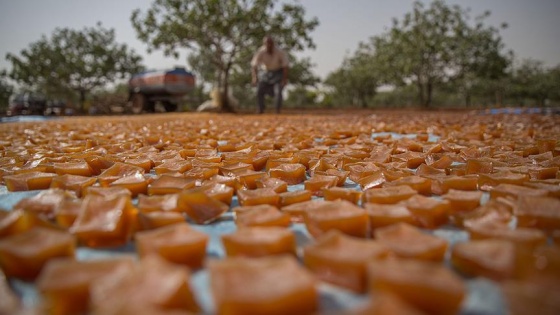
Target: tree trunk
[(468, 100), (226, 106), (498, 98), (421, 94), (368, 96), (429, 88), (363, 100), (82, 101)]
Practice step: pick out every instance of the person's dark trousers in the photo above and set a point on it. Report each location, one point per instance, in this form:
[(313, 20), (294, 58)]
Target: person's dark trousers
[(270, 83), (274, 90), (278, 97)]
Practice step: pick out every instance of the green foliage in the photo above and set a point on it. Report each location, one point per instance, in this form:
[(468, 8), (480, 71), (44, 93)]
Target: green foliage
[(74, 61), (6, 91), (531, 80), (356, 81), (301, 97), (222, 35), (109, 100), (400, 97), (438, 44)]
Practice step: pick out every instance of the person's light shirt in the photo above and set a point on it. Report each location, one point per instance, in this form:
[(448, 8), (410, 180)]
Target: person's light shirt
[(270, 62)]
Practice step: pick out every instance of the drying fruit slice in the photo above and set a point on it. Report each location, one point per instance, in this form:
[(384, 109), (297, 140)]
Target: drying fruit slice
[(248, 179), (28, 181), (144, 163), (429, 212), (525, 237), (479, 166), (335, 193), (291, 173), (407, 241), (136, 184), (277, 184), (262, 215), (156, 219), (421, 184), (524, 297), (118, 170), (232, 169), (166, 184), (73, 168), (461, 201), (67, 211), (75, 183), (543, 172), (151, 284), (487, 181), (495, 210), (553, 189), (107, 191), (383, 303), (388, 195), (342, 260), (514, 191), (24, 255), (297, 210), (217, 191), (292, 197), (177, 243), (12, 222), (428, 286), (201, 173), (317, 183), (339, 215), (201, 208), (381, 215), (259, 241), (172, 166), (158, 203), (494, 259), (65, 283), (263, 286), (374, 180), (340, 174), (99, 163), (105, 221), (469, 182), (539, 212), (44, 203), (259, 196)]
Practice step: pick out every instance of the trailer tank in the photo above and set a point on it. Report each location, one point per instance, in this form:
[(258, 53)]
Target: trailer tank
[(166, 86)]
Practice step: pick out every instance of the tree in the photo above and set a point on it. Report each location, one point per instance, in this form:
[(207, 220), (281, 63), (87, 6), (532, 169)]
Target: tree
[(532, 80), (357, 80), (302, 97), (222, 35), (74, 60), (434, 45), (6, 91)]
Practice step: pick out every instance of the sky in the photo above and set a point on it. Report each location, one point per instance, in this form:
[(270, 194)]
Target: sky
[(533, 32)]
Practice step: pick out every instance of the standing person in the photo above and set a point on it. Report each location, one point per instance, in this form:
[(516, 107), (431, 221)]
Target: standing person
[(274, 73)]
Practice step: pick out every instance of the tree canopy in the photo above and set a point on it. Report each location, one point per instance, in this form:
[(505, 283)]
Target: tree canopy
[(74, 61), (532, 80), (5, 91), (434, 45), (222, 35), (357, 80)]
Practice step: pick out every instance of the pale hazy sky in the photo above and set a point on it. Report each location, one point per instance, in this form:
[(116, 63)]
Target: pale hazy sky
[(534, 26)]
